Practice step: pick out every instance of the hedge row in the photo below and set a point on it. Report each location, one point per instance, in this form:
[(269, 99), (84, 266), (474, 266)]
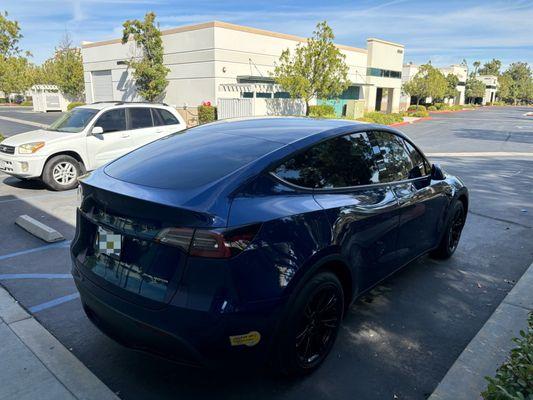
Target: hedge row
[(514, 379), (74, 104), (206, 114), (322, 111), (383, 119)]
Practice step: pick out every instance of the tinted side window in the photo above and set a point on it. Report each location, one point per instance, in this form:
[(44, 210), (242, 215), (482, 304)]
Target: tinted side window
[(420, 165), (166, 117), (339, 162), (392, 159), (140, 117), (113, 121)]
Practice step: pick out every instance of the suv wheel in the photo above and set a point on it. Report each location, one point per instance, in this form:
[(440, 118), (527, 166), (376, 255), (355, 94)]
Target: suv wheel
[(311, 326), (450, 239), (62, 172)]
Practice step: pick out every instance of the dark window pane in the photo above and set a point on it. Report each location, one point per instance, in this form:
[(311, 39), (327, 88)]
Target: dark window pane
[(390, 156), (420, 165), (340, 162), (248, 95), (156, 116), (140, 117), (263, 95), (113, 121), (167, 117)]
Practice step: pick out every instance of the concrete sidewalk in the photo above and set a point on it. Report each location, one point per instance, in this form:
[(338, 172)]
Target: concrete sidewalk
[(465, 380), (35, 365)]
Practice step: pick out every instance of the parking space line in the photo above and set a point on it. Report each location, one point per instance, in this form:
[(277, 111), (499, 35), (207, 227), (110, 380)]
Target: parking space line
[(58, 245), (53, 303), (4, 277)]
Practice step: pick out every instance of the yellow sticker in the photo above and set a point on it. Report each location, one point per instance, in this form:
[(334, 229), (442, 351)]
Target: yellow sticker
[(248, 339)]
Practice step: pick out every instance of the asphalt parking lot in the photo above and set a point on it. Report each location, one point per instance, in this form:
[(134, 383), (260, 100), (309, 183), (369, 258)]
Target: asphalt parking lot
[(400, 340), (9, 128)]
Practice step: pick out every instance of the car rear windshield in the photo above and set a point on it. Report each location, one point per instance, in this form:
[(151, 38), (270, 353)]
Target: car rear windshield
[(188, 160), (73, 121)]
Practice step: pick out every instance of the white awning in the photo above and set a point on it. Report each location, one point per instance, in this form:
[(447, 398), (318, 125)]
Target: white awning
[(250, 87)]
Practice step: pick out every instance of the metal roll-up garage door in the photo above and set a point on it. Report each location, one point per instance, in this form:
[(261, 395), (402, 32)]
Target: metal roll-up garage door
[(102, 86)]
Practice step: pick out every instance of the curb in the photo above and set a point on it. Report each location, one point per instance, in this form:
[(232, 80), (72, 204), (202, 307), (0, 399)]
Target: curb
[(465, 380), (46, 369)]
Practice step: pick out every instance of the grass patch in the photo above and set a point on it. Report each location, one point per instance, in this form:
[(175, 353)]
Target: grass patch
[(1, 137)]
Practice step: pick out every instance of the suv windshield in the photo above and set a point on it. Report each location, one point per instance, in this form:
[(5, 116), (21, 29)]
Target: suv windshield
[(73, 121)]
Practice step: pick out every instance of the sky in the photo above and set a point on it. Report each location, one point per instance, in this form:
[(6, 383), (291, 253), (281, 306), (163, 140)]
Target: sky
[(445, 32)]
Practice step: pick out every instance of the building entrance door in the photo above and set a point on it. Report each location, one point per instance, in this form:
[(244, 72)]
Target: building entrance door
[(379, 97)]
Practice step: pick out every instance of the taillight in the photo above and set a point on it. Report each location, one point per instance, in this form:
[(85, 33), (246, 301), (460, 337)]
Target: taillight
[(209, 243)]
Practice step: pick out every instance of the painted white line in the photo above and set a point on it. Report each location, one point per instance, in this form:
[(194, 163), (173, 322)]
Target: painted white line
[(483, 154), (36, 228), (24, 122)]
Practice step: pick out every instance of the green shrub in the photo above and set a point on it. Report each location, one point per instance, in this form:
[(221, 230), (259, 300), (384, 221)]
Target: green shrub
[(3, 100), (456, 107), (432, 108), (383, 119), (27, 103), (420, 114), (75, 104), (416, 108), (1, 137), (206, 114), (321, 111), (365, 119), (513, 380)]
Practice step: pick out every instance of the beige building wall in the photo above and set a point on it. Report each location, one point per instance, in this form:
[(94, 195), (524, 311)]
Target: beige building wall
[(383, 56), (491, 83), (202, 57)]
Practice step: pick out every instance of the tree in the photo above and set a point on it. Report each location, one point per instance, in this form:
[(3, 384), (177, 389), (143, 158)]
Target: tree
[(476, 65), (149, 72), (9, 36), (65, 69), (474, 89), (516, 83), (428, 82), (451, 86), (316, 69), (16, 75), (491, 68)]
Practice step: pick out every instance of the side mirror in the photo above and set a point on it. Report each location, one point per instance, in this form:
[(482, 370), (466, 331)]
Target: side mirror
[(97, 130), (437, 174)]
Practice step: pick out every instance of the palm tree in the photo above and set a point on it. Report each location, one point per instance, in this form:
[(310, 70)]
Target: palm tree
[(476, 65)]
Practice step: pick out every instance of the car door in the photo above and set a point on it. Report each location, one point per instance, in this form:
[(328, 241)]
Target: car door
[(363, 213), (141, 125), (422, 201), (165, 122), (113, 142)]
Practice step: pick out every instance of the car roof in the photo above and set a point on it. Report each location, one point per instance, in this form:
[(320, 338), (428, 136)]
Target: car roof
[(283, 130), (107, 104)]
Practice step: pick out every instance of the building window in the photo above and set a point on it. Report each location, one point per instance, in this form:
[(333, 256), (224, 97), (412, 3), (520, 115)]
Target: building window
[(260, 95), (282, 95), (247, 95), (383, 73)]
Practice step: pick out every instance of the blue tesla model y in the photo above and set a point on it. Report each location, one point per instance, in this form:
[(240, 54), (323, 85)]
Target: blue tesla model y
[(246, 241)]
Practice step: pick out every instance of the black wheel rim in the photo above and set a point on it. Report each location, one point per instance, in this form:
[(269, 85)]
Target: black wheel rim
[(456, 228), (318, 326)]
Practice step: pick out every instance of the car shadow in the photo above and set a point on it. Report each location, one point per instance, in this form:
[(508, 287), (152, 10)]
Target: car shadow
[(34, 184)]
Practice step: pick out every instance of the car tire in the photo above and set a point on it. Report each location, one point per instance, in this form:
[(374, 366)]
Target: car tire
[(62, 172), (311, 325), (452, 234)]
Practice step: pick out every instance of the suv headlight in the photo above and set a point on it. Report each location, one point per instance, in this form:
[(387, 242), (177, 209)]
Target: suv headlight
[(30, 148)]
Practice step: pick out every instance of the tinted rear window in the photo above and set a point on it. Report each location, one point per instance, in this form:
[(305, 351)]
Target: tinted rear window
[(188, 160)]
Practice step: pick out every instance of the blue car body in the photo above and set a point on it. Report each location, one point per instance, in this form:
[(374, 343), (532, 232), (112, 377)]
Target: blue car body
[(220, 178)]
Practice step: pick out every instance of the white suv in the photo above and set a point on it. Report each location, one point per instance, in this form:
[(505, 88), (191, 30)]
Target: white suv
[(84, 139)]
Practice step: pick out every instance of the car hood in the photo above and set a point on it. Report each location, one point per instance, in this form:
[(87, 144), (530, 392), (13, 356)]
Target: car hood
[(39, 135)]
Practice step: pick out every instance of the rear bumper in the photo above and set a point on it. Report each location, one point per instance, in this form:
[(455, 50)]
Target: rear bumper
[(187, 336)]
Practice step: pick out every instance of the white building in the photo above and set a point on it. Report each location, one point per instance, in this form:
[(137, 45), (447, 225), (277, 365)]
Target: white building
[(460, 71), (215, 61), (491, 87)]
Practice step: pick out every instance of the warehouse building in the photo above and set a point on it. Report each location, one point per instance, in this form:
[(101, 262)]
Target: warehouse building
[(230, 65)]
